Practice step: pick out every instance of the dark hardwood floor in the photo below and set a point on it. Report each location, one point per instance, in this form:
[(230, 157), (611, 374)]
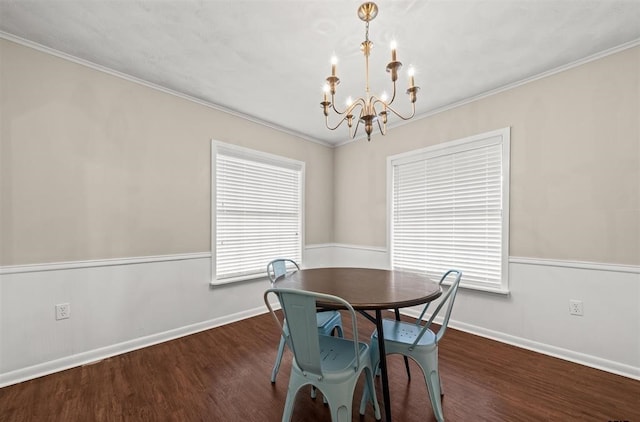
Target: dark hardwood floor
[(223, 375)]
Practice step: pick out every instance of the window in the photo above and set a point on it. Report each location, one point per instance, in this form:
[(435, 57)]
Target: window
[(449, 208), (256, 211)]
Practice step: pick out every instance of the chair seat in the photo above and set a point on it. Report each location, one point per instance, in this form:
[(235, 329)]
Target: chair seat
[(325, 317), (337, 354), (405, 333)]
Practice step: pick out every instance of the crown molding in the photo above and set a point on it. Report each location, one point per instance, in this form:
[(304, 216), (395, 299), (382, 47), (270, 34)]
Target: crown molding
[(559, 69), (139, 81), (430, 113)]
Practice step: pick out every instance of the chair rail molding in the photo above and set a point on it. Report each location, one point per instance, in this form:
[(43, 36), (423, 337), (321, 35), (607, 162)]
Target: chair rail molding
[(118, 305), (69, 265), (586, 265)]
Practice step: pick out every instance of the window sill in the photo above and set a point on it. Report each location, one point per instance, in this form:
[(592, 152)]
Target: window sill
[(239, 279), (487, 289)]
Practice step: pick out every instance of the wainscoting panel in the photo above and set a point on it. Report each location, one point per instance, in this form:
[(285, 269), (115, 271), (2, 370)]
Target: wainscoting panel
[(535, 315), (122, 305), (338, 255), (116, 306)]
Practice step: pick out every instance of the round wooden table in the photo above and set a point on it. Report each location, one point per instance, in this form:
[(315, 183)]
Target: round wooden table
[(368, 289)]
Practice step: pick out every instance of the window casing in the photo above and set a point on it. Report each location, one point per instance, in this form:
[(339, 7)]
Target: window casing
[(257, 211), (449, 208)]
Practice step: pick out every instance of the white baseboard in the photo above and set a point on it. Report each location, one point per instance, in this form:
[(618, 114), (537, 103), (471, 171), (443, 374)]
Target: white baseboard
[(557, 352), (46, 368), (545, 349)]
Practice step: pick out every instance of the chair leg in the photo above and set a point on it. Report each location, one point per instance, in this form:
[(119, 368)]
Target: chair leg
[(406, 365), (341, 414), (366, 393), (276, 366), (369, 394), (314, 394), (340, 401), (338, 330), (432, 378), (295, 383), (433, 384)]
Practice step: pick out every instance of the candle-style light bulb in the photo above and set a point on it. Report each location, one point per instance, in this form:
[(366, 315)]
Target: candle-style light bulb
[(334, 62), (394, 46), (411, 72), (349, 101), (325, 90), (384, 97)]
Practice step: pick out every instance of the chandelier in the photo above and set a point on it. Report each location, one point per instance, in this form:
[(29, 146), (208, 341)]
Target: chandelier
[(372, 109)]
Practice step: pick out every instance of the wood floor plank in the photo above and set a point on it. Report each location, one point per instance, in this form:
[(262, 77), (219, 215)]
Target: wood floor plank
[(223, 374)]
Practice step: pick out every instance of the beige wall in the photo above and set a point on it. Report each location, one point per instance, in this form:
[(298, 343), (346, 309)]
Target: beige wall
[(93, 166), (575, 163)]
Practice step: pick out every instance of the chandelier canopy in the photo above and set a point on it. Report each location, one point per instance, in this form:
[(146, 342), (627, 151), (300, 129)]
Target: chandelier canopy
[(372, 109)]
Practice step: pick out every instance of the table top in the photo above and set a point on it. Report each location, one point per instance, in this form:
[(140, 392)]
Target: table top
[(366, 288)]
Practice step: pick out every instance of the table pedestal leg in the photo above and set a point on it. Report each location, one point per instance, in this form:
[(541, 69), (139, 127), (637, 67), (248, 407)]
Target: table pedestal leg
[(383, 367)]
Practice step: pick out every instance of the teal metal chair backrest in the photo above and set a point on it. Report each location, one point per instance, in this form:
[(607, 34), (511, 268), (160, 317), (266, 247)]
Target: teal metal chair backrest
[(447, 300), (333, 365), (299, 307), (278, 268), (326, 322)]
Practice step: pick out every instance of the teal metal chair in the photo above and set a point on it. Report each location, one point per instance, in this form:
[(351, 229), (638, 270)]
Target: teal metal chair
[(419, 342), (326, 321), (333, 365)]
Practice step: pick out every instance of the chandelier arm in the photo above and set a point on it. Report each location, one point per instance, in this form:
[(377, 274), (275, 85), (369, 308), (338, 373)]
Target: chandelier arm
[(346, 114), (337, 125), (333, 105), (375, 100), (355, 132), (413, 113), (393, 97), (348, 109), (382, 131)]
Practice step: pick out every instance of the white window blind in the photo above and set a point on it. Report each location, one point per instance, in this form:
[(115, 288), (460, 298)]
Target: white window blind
[(258, 212), (449, 210)]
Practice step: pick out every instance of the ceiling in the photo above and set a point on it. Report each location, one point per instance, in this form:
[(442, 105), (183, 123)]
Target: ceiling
[(267, 60)]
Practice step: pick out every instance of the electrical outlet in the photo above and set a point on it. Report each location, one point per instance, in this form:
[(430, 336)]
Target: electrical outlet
[(575, 307), (63, 311)]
